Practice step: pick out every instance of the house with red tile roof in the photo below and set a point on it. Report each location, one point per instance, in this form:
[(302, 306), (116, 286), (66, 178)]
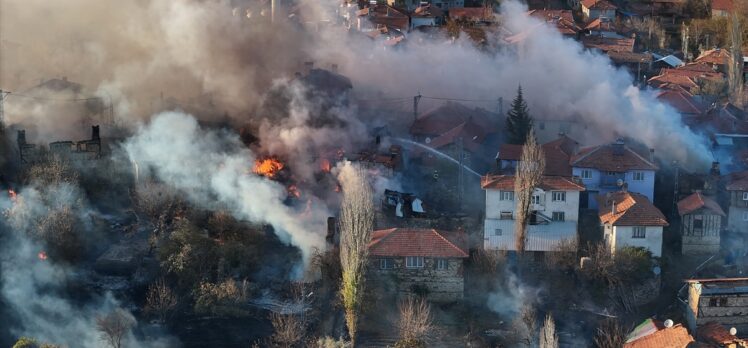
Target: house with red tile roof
[(423, 261), (701, 224), (722, 8), (476, 15), (716, 300), (607, 167), (717, 58), (655, 334), (630, 220), (554, 213), (682, 101), (375, 17), (563, 20), (717, 335), (593, 9)]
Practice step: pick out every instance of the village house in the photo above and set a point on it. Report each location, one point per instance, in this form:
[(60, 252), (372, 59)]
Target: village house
[(554, 213), (692, 77), (474, 15), (375, 17), (88, 149), (717, 335), (683, 102), (717, 59), (426, 16), (593, 9), (563, 20), (606, 168), (722, 8), (701, 224), (419, 261), (736, 185), (657, 334), (719, 300), (630, 220), (448, 4)]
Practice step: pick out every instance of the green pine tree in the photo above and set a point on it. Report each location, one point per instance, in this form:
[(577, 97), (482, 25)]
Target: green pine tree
[(518, 121)]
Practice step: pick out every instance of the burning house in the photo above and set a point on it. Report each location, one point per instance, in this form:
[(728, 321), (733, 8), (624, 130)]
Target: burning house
[(88, 149)]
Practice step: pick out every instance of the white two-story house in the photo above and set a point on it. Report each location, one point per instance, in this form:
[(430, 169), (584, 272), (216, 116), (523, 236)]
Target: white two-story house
[(737, 214), (630, 220), (555, 213), (606, 168)]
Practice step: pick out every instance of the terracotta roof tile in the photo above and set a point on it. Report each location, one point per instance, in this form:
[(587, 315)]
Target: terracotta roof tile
[(715, 56), (472, 134), (472, 13), (450, 115), (506, 182), (598, 4), (737, 181), (697, 201), (682, 101), (716, 334), (674, 337), (606, 44), (723, 5), (631, 209), (418, 242), (557, 155), (604, 158)]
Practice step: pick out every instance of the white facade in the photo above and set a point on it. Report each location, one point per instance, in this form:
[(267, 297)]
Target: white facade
[(558, 220), (648, 237)]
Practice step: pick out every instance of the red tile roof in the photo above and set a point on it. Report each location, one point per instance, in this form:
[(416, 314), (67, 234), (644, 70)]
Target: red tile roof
[(716, 334), (716, 56), (697, 201), (598, 5), (450, 115), (674, 337), (418, 242), (562, 19), (557, 155), (472, 136), (472, 13), (604, 158), (606, 44), (549, 183), (737, 181), (682, 101), (631, 209)]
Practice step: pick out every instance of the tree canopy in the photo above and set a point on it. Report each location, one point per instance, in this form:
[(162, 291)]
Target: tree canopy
[(518, 121)]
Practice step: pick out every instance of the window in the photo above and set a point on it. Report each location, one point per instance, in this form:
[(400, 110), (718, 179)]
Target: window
[(745, 196), (497, 232), (505, 215), (414, 262), (745, 216), (535, 199), (586, 174), (638, 176), (639, 232), (698, 222), (558, 216), (559, 196), (718, 302), (442, 264), (386, 263), (507, 195)]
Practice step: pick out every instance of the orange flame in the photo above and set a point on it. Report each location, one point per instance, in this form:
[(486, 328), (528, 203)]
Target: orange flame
[(268, 167), (325, 165), (42, 255), (293, 191)]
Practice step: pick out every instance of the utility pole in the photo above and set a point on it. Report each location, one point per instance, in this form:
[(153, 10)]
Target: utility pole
[(416, 99), (460, 174), (501, 105)]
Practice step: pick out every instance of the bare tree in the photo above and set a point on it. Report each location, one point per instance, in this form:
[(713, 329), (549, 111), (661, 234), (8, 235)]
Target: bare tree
[(160, 300), (289, 329), (526, 325), (356, 225), (529, 175), (114, 326), (548, 336), (610, 334), (735, 68), (415, 324)]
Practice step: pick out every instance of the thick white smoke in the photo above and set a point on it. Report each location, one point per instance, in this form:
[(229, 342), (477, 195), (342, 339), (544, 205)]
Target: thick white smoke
[(214, 170)]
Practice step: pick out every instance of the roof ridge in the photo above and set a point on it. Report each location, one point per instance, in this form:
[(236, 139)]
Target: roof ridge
[(640, 156), (387, 235), (596, 148)]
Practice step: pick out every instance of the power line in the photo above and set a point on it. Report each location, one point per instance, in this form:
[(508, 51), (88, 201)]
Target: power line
[(54, 99), (461, 99)]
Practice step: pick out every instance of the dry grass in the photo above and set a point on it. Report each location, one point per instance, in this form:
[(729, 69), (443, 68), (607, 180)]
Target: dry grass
[(416, 323), (610, 334), (160, 300), (548, 336), (288, 329)]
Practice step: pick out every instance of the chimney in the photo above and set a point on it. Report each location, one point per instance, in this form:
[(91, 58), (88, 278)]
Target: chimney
[(95, 133), (334, 68), (715, 169), (618, 147), (625, 187), (308, 66), (613, 208), (652, 155)]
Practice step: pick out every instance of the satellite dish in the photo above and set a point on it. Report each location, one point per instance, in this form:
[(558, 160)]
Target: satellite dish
[(668, 323), (619, 182), (733, 331), (428, 140), (656, 270)]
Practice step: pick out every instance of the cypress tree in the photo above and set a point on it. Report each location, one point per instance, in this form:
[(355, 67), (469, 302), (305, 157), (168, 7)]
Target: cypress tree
[(518, 121)]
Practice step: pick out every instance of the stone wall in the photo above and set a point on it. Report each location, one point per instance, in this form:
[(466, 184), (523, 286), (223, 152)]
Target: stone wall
[(445, 285)]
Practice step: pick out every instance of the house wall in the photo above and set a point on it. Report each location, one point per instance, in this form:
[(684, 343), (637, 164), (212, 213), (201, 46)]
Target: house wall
[(733, 314), (549, 130), (540, 237), (447, 4), (700, 240), (738, 210), (443, 285), (595, 183), (652, 240), (416, 22)]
